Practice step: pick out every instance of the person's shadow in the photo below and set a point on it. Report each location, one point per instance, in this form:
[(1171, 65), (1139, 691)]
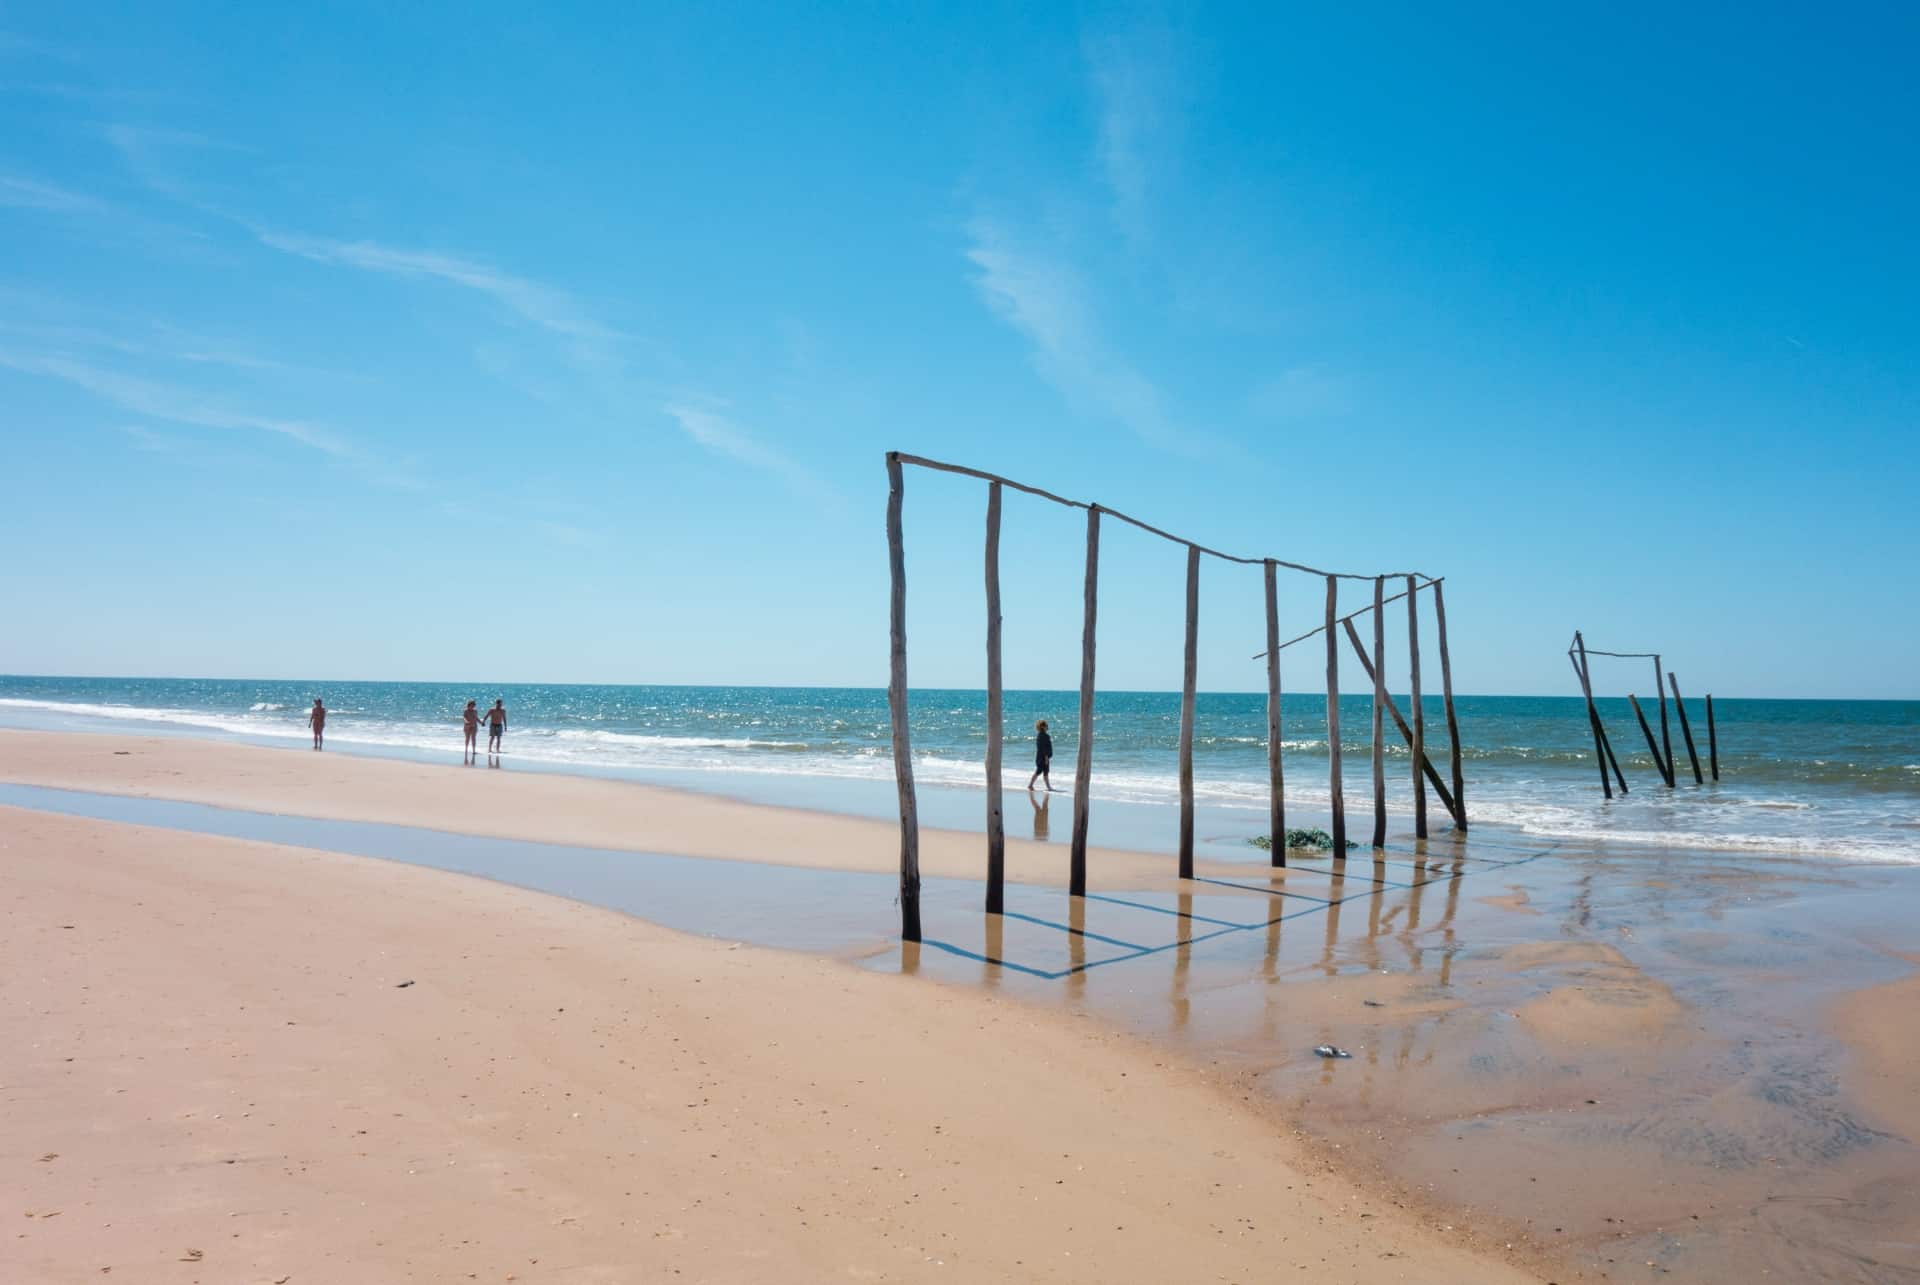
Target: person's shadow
[(1040, 802)]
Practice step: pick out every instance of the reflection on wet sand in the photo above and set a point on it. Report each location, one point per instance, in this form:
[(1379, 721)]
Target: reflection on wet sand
[(1608, 1057), (1604, 1045)]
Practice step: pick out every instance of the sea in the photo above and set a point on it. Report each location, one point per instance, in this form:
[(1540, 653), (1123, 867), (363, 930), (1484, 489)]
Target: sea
[(1834, 779)]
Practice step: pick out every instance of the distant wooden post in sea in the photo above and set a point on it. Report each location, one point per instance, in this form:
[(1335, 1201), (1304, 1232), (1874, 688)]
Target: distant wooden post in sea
[(1660, 750), (898, 712)]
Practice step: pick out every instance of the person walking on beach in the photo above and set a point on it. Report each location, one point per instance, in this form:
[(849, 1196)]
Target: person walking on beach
[(496, 726), (470, 724), (317, 720), (1042, 757)]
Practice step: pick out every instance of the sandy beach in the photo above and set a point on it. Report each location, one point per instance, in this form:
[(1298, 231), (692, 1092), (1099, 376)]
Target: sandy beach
[(1567, 1064), (540, 806), (237, 1062)]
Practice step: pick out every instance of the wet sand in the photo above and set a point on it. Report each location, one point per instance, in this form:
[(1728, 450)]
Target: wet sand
[(230, 1061), (538, 806), (1624, 1063)]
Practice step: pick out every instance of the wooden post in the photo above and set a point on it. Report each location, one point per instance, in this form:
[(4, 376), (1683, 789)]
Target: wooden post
[(1083, 756), (996, 818), (1666, 737), (1446, 693), (1606, 743), (1276, 799), (1686, 732), (1653, 746), (1419, 714), (1334, 790), (897, 711), (1188, 678), (1379, 713), (1393, 712), (1713, 740), (1593, 715)]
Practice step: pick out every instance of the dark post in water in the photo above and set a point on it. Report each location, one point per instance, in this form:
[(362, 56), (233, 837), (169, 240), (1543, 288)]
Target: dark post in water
[(996, 819), (1187, 681), (1686, 732), (1083, 754), (1334, 790), (897, 711), (1276, 798)]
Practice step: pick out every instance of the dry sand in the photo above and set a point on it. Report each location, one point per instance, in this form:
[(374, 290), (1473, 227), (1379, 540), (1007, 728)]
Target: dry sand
[(212, 1071), (539, 806)]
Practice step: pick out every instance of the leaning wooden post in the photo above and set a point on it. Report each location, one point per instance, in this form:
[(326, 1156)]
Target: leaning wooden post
[(1393, 712), (1653, 746), (1606, 743), (1379, 713), (1083, 756), (996, 818), (1686, 732), (1713, 740), (1593, 715), (1334, 790), (897, 711), (1666, 736), (1446, 693), (1276, 798), (1187, 683), (1419, 714)]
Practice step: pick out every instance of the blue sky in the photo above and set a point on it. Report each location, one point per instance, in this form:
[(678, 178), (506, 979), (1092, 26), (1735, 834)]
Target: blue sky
[(473, 343)]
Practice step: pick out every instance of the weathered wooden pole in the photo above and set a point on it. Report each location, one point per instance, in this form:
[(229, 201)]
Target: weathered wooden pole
[(1653, 746), (1418, 712), (1606, 743), (1276, 798), (1686, 732), (1393, 712), (1593, 715), (1666, 737), (1446, 693), (1189, 676), (1334, 789), (897, 711), (996, 819), (1083, 758), (1713, 740), (1379, 713)]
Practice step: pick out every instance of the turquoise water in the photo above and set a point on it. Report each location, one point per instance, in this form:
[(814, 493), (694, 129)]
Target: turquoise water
[(1840, 778)]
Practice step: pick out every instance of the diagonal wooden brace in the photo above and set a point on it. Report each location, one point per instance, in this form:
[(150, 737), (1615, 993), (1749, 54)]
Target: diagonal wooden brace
[(1426, 764)]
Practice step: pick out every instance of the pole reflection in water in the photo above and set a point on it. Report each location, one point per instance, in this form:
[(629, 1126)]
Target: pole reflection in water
[(990, 970), (1183, 963), (1077, 946)]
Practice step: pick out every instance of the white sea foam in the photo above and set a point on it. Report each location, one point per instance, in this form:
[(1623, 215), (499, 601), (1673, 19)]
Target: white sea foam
[(1845, 829)]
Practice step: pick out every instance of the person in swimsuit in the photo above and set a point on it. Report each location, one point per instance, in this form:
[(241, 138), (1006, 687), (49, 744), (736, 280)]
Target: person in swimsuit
[(317, 720), (1042, 757), (470, 723), (496, 726)]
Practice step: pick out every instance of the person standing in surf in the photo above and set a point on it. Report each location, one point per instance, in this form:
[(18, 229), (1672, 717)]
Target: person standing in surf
[(317, 720), (470, 724), (496, 726), (1042, 757)]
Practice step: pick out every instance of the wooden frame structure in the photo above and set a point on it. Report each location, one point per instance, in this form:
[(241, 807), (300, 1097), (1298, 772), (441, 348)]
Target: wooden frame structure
[(1415, 734), (1662, 750)]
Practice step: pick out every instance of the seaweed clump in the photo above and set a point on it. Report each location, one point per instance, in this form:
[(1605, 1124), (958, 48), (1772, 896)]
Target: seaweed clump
[(1313, 840)]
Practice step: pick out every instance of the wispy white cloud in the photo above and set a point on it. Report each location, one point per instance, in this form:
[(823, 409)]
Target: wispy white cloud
[(543, 305), (30, 194), (145, 439), (1303, 392), (711, 427), (175, 404), (1041, 296), (1134, 77)]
